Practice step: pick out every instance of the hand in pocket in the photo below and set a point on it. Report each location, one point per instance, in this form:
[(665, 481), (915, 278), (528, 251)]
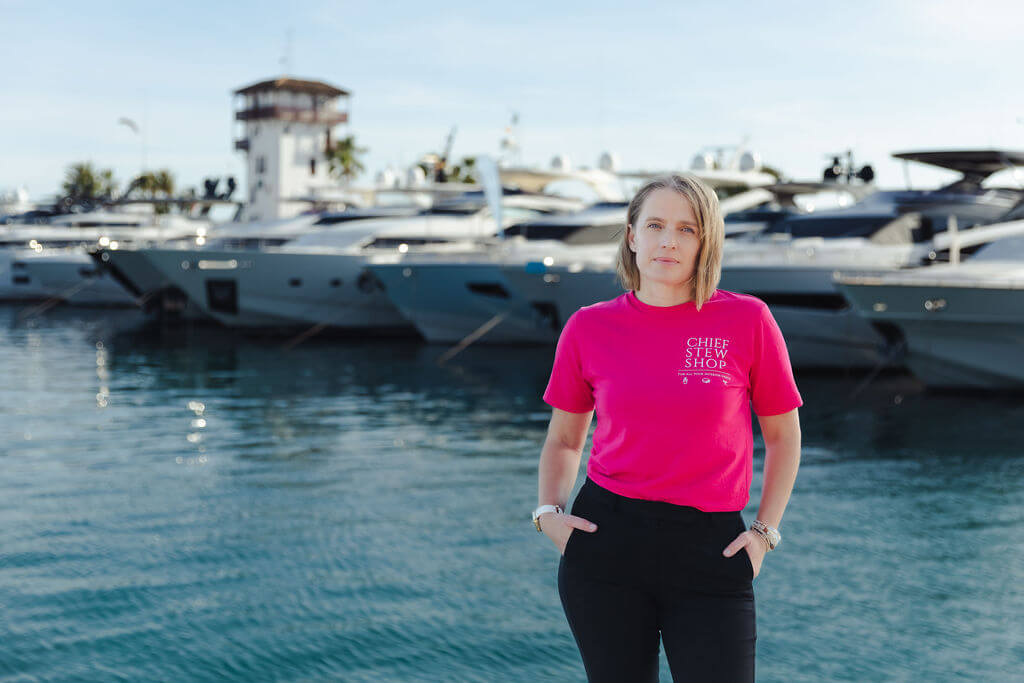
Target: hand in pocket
[(558, 527), (748, 542)]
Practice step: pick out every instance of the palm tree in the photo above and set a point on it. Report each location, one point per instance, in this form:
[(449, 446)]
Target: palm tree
[(152, 185), (84, 183), (144, 183), (343, 158), (163, 182)]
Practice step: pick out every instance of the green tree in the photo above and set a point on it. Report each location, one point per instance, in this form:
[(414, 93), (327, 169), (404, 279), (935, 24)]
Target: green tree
[(438, 170), (343, 158), (154, 184), (84, 183), (464, 171), (164, 182)]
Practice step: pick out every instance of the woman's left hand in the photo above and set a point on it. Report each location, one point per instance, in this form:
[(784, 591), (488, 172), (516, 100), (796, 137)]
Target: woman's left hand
[(755, 548)]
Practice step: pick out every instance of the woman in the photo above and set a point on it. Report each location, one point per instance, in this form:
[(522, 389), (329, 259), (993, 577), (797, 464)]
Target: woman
[(656, 545)]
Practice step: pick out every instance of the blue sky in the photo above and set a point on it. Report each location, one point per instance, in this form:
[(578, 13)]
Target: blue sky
[(653, 82)]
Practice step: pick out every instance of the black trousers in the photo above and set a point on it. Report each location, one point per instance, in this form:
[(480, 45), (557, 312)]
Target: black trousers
[(656, 569)]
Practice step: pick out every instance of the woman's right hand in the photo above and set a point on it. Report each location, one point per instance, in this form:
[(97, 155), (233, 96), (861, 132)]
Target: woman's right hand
[(559, 526)]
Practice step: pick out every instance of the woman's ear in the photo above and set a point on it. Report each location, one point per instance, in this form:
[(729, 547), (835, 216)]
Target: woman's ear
[(629, 237)]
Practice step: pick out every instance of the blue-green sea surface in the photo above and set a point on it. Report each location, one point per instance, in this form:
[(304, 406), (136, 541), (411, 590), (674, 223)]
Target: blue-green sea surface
[(194, 505)]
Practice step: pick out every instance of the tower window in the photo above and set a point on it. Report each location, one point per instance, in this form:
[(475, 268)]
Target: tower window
[(261, 164), (312, 166)]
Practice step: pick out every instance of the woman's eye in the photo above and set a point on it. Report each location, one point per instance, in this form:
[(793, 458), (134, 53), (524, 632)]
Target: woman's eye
[(687, 227), (653, 225)]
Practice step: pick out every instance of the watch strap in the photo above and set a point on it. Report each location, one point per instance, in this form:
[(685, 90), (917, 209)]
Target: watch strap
[(541, 510)]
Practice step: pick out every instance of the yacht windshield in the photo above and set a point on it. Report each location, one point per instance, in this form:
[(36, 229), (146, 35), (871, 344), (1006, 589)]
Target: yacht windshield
[(830, 226), (1006, 249)]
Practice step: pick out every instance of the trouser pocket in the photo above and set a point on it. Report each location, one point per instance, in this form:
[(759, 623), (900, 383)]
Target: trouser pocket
[(606, 553), (737, 568)]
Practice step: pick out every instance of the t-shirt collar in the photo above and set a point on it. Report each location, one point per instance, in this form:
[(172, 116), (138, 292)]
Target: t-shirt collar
[(648, 309)]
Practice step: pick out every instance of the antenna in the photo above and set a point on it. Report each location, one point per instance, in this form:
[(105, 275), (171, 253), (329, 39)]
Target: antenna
[(447, 151), (286, 57)]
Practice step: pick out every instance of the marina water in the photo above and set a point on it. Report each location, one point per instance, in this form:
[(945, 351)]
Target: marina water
[(196, 505)]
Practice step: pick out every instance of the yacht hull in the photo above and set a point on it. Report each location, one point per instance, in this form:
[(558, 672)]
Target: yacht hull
[(821, 328), (156, 294), (273, 290), (449, 301), (69, 276), (956, 337)]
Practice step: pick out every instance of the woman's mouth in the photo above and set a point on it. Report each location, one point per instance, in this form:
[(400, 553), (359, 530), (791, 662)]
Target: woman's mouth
[(666, 260)]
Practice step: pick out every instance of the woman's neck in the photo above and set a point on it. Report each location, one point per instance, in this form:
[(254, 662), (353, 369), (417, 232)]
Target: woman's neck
[(657, 294)]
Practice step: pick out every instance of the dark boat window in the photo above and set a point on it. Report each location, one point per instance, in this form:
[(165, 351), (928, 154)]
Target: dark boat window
[(222, 296), (392, 242), (830, 226), (250, 243), (455, 210), (334, 219)]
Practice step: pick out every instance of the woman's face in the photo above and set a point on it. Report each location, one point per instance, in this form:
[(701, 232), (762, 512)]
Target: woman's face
[(665, 239)]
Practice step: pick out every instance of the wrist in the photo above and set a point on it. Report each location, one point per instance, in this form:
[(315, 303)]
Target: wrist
[(542, 509), (769, 534)]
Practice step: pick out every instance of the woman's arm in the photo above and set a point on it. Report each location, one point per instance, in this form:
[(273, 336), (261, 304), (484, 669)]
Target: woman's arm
[(782, 459), (559, 463), (560, 456)]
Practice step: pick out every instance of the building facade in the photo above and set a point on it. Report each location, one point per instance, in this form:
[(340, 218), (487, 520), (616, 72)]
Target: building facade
[(288, 126)]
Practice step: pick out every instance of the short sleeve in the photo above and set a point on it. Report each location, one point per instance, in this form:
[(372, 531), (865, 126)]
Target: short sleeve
[(773, 389), (567, 388)]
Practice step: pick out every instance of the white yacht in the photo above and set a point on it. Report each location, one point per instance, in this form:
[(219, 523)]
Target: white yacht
[(320, 276), (159, 297), (791, 265), (13, 203), (521, 289), (51, 261), (961, 324), (449, 294)]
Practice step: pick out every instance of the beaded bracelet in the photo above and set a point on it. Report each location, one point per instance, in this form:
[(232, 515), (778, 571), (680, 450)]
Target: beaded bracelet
[(763, 537)]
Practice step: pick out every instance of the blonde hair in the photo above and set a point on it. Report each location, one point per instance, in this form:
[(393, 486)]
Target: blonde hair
[(710, 224)]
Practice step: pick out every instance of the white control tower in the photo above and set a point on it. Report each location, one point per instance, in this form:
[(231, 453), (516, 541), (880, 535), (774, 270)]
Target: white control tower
[(288, 127)]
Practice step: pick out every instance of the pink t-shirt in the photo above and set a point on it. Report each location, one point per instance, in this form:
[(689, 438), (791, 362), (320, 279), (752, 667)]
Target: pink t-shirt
[(673, 388)]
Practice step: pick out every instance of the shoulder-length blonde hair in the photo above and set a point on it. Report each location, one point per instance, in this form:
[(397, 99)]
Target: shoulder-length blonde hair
[(711, 227)]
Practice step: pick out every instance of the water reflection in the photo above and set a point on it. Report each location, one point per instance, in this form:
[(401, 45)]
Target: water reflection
[(370, 509)]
